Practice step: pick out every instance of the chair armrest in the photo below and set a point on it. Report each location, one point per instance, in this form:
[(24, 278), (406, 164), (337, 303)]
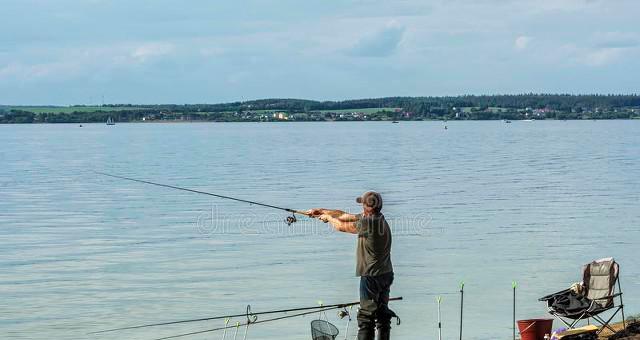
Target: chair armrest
[(609, 296), (550, 296)]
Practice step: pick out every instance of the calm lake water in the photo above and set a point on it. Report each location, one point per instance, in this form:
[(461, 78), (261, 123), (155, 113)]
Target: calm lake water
[(482, 202)]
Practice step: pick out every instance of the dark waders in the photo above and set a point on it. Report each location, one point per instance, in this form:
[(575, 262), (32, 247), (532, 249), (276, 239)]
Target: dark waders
[(374, 311)]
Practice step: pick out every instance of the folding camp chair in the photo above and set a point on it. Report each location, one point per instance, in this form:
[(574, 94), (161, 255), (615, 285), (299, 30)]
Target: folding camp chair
[(595, 295)]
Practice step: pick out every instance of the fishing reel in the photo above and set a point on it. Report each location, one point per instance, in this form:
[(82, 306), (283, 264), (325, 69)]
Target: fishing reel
[(291, 219)]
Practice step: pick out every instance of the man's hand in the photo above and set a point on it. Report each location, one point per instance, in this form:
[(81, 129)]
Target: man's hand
[(340, 220), (337, 223), (324, 218), (315, 212)]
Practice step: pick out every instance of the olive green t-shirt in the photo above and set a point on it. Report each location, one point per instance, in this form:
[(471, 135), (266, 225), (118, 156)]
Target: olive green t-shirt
[(373, 253)]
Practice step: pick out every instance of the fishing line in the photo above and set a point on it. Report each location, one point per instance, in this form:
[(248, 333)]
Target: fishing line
[(290, 219)]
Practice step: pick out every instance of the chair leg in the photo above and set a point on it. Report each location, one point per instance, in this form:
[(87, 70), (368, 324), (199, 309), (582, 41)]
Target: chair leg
[(624, 325), (575, 321), (558, 317), (562, 320), (606, 323)]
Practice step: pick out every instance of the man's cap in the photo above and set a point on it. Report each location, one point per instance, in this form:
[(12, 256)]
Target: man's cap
[(371, 199)]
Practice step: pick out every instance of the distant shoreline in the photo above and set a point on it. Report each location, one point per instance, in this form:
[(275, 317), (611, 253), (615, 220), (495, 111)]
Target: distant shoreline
[(325, 121), (491, 107)]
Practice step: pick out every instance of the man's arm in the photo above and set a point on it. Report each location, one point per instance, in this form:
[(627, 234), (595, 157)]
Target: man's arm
[(339, 214), (339, 224), (340, 220)]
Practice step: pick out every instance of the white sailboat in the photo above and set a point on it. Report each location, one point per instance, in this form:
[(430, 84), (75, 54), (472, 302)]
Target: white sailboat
[(110, 121)]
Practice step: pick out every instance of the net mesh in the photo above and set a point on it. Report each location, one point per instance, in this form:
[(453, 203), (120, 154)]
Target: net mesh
[(323, 330)]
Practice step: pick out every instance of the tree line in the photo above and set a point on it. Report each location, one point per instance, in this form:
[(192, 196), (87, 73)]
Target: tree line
[(468, 107)]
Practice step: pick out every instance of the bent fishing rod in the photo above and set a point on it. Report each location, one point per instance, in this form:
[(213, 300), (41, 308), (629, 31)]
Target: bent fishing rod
[(247, 314), (290, 219), (247, 323)]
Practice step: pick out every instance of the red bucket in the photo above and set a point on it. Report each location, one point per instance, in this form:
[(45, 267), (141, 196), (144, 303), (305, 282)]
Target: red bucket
[(534, 329)]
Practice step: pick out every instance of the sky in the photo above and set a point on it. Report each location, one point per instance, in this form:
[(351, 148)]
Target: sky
[(64, 52)]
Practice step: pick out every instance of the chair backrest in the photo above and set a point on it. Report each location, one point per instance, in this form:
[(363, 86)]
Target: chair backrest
[(599, 280)]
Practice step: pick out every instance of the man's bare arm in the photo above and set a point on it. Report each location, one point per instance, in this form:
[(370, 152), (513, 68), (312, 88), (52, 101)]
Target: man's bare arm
[(339, 214), (340, 220), (339, 225)]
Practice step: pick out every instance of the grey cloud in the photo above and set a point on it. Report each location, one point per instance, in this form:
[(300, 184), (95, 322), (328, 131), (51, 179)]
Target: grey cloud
[(616, 40), (388, 8), (382, 43)]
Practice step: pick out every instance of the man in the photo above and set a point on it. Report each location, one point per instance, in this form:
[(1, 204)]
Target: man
[(373, 261)]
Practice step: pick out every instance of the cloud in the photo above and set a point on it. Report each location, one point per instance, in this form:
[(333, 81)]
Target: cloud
[(64, 64), (382, 43), (212, 51), (522, 42), (616, 39), (387, 8), (602, 56), (609, 47), (238, 77), (24, 72), (562, 6), (61, 54), (572, 54), (149, 50)]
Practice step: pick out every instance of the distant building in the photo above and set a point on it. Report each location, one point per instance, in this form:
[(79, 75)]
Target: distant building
[(280, 116)]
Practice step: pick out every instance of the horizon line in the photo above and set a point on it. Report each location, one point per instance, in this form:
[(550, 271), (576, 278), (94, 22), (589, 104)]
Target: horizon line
[(335, 100)]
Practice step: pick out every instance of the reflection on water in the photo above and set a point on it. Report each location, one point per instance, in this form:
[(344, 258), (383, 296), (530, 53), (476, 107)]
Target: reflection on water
[(483, 202)]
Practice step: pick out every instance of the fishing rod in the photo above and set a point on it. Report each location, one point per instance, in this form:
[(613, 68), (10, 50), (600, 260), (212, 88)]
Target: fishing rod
[(439, 300), (290, 219), (334, 306), (317, 309), (237, 325), (461, 305)]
